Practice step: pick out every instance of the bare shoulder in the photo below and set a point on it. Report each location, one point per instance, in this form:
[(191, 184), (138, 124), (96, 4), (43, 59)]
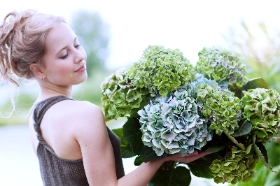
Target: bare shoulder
[(91, 114), (88, 124), (77, 115), (78, 109), (82, 115), (85, 108)]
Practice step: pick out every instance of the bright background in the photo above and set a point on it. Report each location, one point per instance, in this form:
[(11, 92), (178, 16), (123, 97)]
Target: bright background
[(133, 25), (184, 24)]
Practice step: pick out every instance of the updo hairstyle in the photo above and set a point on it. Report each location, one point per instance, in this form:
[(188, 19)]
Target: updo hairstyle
[(22, 42)]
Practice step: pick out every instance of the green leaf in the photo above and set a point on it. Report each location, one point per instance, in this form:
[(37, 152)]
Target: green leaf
[(148, 154), (132, 134), (244, 129), (240, 145), (126, 149), (262, 154), (215, 148), (176, 176), (273, 151), (235, 89), (255, 83), (263, 150), (261, 133), (138, 160), (200, 167), (118, 132)]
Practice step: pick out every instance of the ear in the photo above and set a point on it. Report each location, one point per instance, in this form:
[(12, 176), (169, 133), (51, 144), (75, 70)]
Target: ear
[(37, 70)]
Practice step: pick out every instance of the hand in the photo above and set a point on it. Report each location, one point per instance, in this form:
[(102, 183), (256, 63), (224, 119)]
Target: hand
[(189, 158)]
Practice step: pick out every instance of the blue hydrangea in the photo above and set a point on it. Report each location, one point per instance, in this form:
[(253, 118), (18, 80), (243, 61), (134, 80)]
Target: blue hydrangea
[(172, 125)]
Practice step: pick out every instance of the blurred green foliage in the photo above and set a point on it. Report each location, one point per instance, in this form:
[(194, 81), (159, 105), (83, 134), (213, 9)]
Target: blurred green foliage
[(93, 35), (260, 50)]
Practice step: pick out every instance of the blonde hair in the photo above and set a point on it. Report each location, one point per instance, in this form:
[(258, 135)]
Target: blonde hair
[(22, 42)]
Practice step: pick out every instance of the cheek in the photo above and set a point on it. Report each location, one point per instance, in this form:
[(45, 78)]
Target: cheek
[(61, 71), (64, 70)]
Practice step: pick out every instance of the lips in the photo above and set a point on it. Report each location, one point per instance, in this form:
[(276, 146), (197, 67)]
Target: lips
[(81, 69)]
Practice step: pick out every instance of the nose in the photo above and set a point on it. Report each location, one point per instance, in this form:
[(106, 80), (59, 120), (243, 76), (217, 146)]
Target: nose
[(80, 54)]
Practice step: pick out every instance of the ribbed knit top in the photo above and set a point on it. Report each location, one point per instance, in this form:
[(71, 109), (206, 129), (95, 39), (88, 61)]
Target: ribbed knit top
[(56, 171)]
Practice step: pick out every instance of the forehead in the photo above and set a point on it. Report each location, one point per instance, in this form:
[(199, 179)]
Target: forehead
[(58, 37)]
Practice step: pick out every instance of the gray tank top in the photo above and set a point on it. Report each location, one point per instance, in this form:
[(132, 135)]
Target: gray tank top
[(56, 171)]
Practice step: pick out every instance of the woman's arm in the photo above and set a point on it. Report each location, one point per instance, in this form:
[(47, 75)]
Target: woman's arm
[(98, 155)]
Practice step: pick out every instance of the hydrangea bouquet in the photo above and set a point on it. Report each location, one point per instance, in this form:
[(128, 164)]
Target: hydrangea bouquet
[(172, 107)]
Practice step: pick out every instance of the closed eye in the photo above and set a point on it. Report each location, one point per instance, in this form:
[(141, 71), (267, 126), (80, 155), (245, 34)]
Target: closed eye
[(77, 46), (76, 42), (65, 56)]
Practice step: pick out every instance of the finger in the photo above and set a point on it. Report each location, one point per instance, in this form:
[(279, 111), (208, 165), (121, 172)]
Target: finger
[(194, 153), (200, 155)]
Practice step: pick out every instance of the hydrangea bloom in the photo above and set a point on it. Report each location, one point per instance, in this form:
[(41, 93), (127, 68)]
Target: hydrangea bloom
[(200, 79), (221, 65), (262, 108), (161, 70), (238, 166), (119, 98), (171, 124), (220, 107)]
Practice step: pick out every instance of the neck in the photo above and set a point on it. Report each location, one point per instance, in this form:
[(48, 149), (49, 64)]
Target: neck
[(47, 92)]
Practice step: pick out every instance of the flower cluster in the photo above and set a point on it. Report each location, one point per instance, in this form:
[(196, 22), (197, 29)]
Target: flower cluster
[(172, 124), (119, 97), (221, 65), (175, 107), (262, 108), (161, 70), (238, 166), (221, 107)]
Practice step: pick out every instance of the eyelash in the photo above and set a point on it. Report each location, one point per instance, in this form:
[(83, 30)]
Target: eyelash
[(65, 56)]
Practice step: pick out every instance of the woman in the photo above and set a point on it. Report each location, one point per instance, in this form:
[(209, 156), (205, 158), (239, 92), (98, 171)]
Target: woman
[(70, 138)]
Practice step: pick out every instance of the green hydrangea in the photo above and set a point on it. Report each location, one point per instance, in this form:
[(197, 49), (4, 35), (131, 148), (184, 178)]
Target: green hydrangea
[(221, 65), (262, 108), (161, 70), (172, 125), (119, 97), (220, 107), (237, 166)]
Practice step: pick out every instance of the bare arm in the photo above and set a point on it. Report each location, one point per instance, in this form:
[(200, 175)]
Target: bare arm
[(98, 155)]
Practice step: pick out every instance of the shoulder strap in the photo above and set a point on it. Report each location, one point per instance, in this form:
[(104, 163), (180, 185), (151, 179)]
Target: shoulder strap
[(40, 110)]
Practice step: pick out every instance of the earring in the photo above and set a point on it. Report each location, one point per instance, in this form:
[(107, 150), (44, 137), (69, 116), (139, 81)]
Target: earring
[(42, 78)]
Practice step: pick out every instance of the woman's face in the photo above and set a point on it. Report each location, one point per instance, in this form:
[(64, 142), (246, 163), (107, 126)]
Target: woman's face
[(64, 63)]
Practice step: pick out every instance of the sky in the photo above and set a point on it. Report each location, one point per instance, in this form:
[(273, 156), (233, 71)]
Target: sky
[(183, 24)]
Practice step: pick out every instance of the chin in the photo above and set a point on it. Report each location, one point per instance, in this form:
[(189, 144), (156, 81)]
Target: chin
[(81, 81)]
